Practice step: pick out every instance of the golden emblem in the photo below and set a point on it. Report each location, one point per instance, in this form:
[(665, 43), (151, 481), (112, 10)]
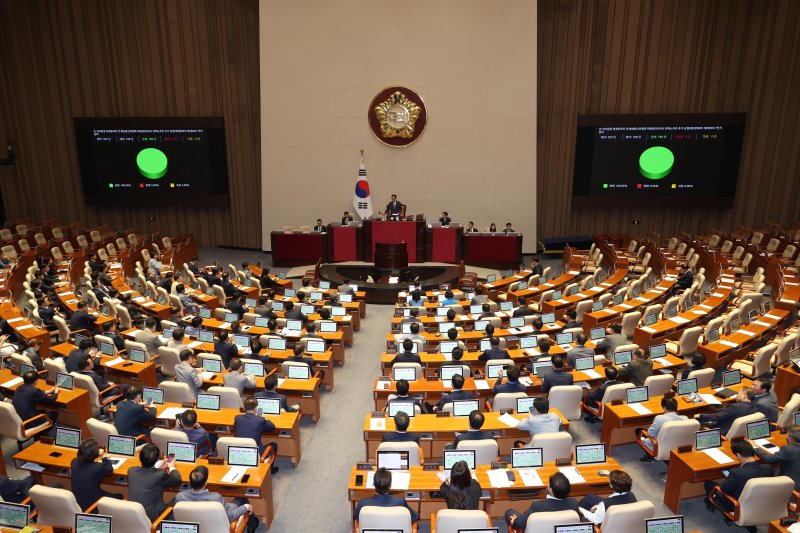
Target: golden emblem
[(397, 116)]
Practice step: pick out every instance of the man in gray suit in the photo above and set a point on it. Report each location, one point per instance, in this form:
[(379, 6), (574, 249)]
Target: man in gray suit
[(237, 380), (788, 457), (639, 369), (765, 398), (614, 338), (146, 484), (149, 337), (345, 288), (185, 372), (198, 479), (580, 350)]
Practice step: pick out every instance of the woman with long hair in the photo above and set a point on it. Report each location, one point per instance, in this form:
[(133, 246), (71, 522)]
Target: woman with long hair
[(461, 491)]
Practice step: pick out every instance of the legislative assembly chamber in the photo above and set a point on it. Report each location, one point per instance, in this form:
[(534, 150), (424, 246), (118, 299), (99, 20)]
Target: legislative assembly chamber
[(359, 266)]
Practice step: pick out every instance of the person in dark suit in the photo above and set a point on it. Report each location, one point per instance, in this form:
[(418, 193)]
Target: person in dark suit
[(230, 289), (614, 338), (131, 412), (47, 312), (27, 396), (81, 319), (580, 350), (698, 363), (251, 426), (456, 394), (536, 266), (486, 312), (116, 338), (685, 278), (146, 483), (407, 356), (494, 351), (32, 352), (319, 227), (299, 355), (558, 489), (787, 457), (292, 313), (595, 396), (401, 434), (86, 368), (557, 376), (393, 208), (737, 477), (186, 422), (594, 508), (86, 474), (225, 348), (402, 388), (236, 305), (723, 419), (79, 354), (444, 220), (461, 490), (523, 309), (476, 420), (639, 369), (471, 227), (347, 217), (383, 482), (511, 383), (509, 228), (15, 490), (764, 400), (270, 384), (571, 315)]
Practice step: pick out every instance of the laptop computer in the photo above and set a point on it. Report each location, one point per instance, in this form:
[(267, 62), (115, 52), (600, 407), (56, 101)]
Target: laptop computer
[(243, 456), (636, 395), (495, 371), (447, 372), (622, 358), (587, 454), (208, 402), (525, 405), (669, 524), (406, 373), (584, 363), (276, 344), (392, 460), (658, 350), (400, 406), (65, 381), (451, 457), (153, 396), (254, 369), (269, 406), (596, 334), (68, 437), (205, 336), (707, 438), (729, 379), (574, 528), (14, 515), (171, 526), (183, 451), (315, 346), (298, 372), (687, 386), (526, 458), (542, 368), (92, 523), (758, 429), (465, 407)]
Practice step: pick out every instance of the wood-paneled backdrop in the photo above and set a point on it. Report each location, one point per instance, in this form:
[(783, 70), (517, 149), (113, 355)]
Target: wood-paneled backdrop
[(671, 56), (60, 59)]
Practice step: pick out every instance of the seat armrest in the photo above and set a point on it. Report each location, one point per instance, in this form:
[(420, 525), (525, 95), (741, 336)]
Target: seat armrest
[(107, 400), (433, 522), (735, 514), (92, 507), (158, 520), (238, 525), (24, 431)]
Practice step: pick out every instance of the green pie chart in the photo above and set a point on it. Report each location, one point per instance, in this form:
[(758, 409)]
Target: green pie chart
[(152, 163), (656, 162)]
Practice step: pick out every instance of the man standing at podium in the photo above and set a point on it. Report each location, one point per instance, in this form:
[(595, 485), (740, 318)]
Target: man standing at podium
[(393, 209)]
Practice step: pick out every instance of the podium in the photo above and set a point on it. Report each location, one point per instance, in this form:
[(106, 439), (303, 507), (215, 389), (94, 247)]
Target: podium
[(410, 232), (391, 256)]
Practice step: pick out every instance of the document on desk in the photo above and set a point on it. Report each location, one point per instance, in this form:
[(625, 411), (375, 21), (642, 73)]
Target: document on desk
[(698, 312), (377, 424), (481, 384), (508, 420), (115, 361), (447, 356), (382, 385), (525, 380), (717, 295), (226, 325), (11, 382), (194, 344), (400, 480), (497, 478), (593, 374), (679, 320), (206, 376), (748, 333), (530, 477), (710, 399), (729, 343), (26, 326), (13, 320), (641, 299), (768, 315), (172, 412), (762, 324), (533, 352), (572, 474), (234, 474), (116, 462), (641, 409), (626, 306), (718, 455), (280, 381), (447, 383), (35, 467), (148, 304)]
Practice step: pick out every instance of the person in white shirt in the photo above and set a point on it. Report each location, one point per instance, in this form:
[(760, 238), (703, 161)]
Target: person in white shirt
[(237, 380), (543, 421), (670, 405), (593, 507)]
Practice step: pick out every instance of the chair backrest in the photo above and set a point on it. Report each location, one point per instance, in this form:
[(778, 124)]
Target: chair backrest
[(673, 434), (133, 345), (56, 253), (789, 251), (453, 520), (54, 365), (413, 449), (547, 522), (486, 450), (394, 518), (86, 383), (161, 436), (629, 322), (127, 516), (169, 358), (792, 406), (782, 352), (210, 514), (762, 364), (567, 399), (56, 507), (124, 317), (506, 400), (713, 241), (704, 377), (689, 339), (739, 426), (615, 392), (628, 516), (581, 309), (659, 384), (763, 500), (554, 445), (416, 366), (10, 422), (101, 430), (509, 362), (63, 329), (121, 246), (224, 442), (229, 397), (176, 392)]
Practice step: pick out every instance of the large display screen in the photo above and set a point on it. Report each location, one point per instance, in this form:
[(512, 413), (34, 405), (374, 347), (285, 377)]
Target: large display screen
[(146, 161), (657, 160)]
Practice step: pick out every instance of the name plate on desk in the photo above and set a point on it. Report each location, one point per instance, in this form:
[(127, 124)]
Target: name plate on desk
[(364, 466), (216, 460), (442, 414), (564, 461), (432, 378), (684, 449), (378, 414), (506, 411), (431, 466), (496, 465)]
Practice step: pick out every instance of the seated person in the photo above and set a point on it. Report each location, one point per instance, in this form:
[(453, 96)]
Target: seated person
[(580, 350), (723, 419), (270, 387), (614, 338), (86, 368), (456, 394), (414, 335), (456, 355), (449, 299), (413, 317), (698, 363), (416, 299), (461, 490), (407, 356), (198, 492), (262, 309), (557, 377), (523, 309), (401, 434), (595, 395), (187, 423), (383, 482), (251, 425), (146, 483), (765, 400), (79, 353), (511, 383), (476, 420), (639, 369), (509, 228), (572, 322), (486, 312), (194, 327), (299, 355), (236, 379), (189, 306), (543, 421), (28, 397), (15, 490), (225, 348), (86, 474), (132, 412), (32, 352), (494, 352), (479, 298), (787, 457), (738, 476), (402, 387), (558, 489), (670, 405), (116, 338), (176, 342), (593, 507), (186, 372)]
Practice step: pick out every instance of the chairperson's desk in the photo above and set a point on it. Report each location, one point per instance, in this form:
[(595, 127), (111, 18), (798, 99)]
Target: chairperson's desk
[(298, 248), (73, 406), (435, 432), (423, 495), (257, 489), (286, 434), (687, 471)]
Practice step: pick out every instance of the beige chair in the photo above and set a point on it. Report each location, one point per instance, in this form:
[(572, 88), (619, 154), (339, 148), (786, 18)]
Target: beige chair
[(169, 358), (687, 344), (612, 393), (415, 455), (760, 365), (175, 392), (547, 522), (486, 450), (13, 427), (739, 426), (98, 399), (382, 518), (507, 400), (127, 516), (628, 516), (229, 397), (457, 520), (629, 323), (55, 507), (788, 252), (211, 516), (133, 345), (792, 406), (225, 442), (781, 354), (123, 317), (9, 252), (63, 330), (704, 377), (556, 445), (416, 366), (545, 297), (672, 434), (745, 265), (100, 431), (567, 399), (581, 309), (659, 384), (160, 437), (762, 500), (509, 362)]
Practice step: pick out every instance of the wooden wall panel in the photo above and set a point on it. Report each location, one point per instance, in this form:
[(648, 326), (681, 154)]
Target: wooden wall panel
[(671, 56), (63, 59)]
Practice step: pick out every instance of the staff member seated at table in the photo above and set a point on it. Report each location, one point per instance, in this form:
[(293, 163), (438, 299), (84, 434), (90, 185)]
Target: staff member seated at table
[(86, 474), (580, 350), (557, 377), (251, 425), (594, 396), (492, 228), (401, 434), (269, 392), (444, 220), (698, 363), (509, 228), (766, 400), (510, 383), (461, 490), (639, 369), (132, 412), (670, 414), (407, 356), (594, 508), (543, 421), (456, 394), (187, 423), (383, 482), (471, 227), (558, 489), (494, 351), (198, 492), (146, 484), (737, 477), (27, 397), (319, 227), (298, 355), (614, 338), (476, 420), (523, 309), (787, 457), (347, 217)]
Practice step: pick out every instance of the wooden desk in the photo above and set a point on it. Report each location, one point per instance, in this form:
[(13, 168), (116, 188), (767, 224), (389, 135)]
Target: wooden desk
[(128, 372), (532, 293), (257, 489), (287, 427), (787, 382), (426, 482), (746, 338), (297, 248), (687, 472), (69, 300), (23, 327), (73, 406), (502, 284), (494, 250), (776, 527)]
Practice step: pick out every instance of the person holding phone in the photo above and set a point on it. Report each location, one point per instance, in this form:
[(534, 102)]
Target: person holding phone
[(87, 473), (787, 457), (132, 412), (146, 483)]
